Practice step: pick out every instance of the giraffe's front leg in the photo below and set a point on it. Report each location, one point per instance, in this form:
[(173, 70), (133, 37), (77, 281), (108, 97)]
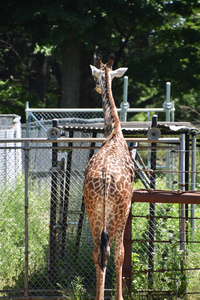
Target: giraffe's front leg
[(100, 275)]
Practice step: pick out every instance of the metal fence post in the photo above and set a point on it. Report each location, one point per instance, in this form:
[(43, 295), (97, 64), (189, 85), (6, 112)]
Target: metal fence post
[(62, 179), (182, 210), (26, 220), (52, 231), (187, 163), (152, 210), (27, 120), (193, 181), (82, 213), (167, 106), (124, 105), (182, 188), (66, 197)]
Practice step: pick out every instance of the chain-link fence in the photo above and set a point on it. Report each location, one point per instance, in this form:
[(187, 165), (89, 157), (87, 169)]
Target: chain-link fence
[(55, 228), (46, 244)]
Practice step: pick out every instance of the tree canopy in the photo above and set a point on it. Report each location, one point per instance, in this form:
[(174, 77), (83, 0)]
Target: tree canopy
[(46, 47)]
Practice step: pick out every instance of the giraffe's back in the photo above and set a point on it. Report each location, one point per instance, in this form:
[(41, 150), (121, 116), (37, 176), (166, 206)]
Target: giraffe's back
[(112, 163)]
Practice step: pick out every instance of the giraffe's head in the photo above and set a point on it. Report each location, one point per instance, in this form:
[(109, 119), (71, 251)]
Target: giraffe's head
[(99, 73)]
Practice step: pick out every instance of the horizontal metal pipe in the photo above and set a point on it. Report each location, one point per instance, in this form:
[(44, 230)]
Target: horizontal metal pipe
[(86, 140), (167, 270), (30, 110), (164, 217), (159, 196), (161, 241)]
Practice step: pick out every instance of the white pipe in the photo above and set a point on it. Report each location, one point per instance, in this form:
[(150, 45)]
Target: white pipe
[(27, 118), (124, 105), (168, 87), (125, 97), (64, 110)]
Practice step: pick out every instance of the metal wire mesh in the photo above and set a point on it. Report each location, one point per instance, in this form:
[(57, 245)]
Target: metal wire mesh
[(71, 256), (60, 241)]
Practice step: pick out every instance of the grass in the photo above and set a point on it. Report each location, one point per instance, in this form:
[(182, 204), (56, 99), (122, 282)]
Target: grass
[(12, 224), (12, 233)]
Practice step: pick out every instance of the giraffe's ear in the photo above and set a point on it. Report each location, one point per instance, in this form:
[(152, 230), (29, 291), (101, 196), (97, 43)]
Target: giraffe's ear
[(95, 72), (118, 73)]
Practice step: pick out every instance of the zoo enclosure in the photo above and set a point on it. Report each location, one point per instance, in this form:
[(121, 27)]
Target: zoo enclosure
[(47, 182), (58, 185)]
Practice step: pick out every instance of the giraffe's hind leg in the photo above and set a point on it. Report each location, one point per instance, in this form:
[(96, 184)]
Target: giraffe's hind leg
[(100, 265), (119, 258), (100, 274)]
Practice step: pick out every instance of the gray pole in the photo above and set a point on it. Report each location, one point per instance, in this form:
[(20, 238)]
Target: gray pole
[(152, 211), (27, 120), (193, 181), (167, 104), (53, 207), (182, 188), (26, 220), (124, 105), (167, 107)]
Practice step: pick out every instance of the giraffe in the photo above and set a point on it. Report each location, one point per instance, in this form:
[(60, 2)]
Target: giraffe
[(108, 184)]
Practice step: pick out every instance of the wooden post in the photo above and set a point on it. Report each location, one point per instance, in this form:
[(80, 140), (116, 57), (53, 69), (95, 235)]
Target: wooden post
[(127, 265)]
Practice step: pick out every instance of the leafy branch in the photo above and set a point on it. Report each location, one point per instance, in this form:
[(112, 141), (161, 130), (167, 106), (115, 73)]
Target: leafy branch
[(12, 48)]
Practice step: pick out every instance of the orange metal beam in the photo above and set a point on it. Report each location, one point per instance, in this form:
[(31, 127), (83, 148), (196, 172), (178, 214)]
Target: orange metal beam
[(160, 196)]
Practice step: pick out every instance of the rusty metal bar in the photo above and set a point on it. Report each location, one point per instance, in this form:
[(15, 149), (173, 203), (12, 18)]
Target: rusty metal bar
[(166, 270), (159, 196), (162, 241), (127, 264), (161, 217), (164, 171)]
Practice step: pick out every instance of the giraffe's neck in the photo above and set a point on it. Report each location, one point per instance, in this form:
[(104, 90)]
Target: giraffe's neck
[(111, 119)]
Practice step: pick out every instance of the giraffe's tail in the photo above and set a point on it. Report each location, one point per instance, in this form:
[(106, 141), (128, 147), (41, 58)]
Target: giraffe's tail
[(104, 250)]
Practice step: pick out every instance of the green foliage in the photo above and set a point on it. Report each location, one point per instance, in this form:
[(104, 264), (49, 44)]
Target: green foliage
[(13, 96), (157, 40), (74, 277), (12, 224), (77, 290), (12, 235), (168, 256)]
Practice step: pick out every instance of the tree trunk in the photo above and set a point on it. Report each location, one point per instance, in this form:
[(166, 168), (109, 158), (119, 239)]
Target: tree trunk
[(76, 74), (39, 75)]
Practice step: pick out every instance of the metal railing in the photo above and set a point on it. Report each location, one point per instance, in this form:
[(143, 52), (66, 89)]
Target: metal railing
[(38, 114)]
